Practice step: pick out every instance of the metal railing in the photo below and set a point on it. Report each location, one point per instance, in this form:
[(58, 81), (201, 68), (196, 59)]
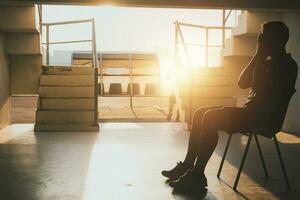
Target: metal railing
[(92, 40), (179, 35), (94, 50)]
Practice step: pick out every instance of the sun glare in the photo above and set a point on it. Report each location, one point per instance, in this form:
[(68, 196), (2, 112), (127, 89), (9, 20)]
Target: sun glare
[(140, 29)]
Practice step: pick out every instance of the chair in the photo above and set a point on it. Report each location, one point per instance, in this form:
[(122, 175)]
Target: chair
[(135, 88), (268, 133), (151, 89), (250, 137), (115, 89)]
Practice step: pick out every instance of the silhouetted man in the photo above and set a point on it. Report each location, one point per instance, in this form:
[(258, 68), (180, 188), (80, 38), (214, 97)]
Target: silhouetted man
[(271, 75), (172, 102)]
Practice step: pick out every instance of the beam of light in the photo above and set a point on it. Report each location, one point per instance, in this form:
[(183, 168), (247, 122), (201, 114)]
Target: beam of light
[(12, 132)]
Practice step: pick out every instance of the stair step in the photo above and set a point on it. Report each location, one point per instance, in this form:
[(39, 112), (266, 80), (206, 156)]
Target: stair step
[(82, 127), (233, 66), (67, 70), (64, 117), (240, 46), (206, 91), (249, 22), (67, 103), (57, 91), (22, 43), (18, 19), (67, 80)]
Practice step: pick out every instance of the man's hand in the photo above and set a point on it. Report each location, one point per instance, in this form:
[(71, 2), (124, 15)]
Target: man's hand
[(261, 50)]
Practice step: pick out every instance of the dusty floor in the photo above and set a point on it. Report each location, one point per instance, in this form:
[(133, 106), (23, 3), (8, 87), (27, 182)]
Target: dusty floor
[(123, 161)]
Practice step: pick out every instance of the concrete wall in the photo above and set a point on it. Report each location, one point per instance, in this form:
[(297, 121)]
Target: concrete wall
[(5, 105), (292, 123)]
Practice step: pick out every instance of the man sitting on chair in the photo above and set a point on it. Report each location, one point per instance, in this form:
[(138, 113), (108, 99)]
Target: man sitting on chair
[(271, 75)]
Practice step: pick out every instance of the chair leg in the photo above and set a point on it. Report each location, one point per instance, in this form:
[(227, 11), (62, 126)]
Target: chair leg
[(261, 156), (242, 162), (281, 163), (224, 155)]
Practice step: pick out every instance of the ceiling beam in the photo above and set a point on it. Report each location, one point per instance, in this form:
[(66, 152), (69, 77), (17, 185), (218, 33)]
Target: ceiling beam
[(228, 4)]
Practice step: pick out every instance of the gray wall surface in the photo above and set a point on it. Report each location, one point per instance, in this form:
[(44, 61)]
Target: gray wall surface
[(292, 120), (4, 86), (261, 4)]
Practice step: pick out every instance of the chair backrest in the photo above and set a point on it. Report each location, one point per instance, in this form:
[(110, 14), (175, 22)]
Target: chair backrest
[(151, 89), (282, 113), (115, 88)]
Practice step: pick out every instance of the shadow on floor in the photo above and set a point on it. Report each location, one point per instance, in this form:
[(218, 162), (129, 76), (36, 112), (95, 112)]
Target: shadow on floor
[(34, 166), (253, 178)]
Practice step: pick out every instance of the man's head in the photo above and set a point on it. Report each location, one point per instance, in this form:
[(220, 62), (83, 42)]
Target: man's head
[(274, 36)]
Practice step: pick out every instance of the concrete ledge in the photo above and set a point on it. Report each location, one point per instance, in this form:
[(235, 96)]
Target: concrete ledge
[(66, 127), (64, 117), (18, 19), (67, 70), (67, 104), (52, 91), (67, 80)]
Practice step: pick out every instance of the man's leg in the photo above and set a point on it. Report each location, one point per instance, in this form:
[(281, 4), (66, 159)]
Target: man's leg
[(228, 118), (195, 133), (193, 145)]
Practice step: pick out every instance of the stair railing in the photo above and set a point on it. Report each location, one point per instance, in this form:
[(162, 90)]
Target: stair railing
[(92, 40), (180, 40)]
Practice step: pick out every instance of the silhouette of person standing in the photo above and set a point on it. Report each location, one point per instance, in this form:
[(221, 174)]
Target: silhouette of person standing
[(271, 75), (172, 102)]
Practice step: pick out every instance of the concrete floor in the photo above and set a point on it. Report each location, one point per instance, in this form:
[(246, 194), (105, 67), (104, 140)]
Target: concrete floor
[(124, 161)]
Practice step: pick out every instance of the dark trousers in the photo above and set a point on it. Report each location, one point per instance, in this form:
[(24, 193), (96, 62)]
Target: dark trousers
[(204, 131)]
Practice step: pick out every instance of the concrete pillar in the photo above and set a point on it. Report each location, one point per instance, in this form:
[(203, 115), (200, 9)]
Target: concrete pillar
[(5, 104)]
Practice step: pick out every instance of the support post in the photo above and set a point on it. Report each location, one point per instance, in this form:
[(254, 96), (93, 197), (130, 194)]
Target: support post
[(95, 66), (47, 45)]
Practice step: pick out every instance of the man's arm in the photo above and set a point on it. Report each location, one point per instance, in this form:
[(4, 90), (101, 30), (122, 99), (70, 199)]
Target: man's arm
[(245, 79)]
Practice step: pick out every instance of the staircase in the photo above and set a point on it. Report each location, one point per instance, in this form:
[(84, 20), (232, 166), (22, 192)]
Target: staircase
[(67, 99), (67, 95), (210, 88), (219, 86), (22, 45)]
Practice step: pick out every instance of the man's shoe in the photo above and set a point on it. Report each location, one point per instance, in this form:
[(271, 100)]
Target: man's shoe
[(176, 172), (189, 181)]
